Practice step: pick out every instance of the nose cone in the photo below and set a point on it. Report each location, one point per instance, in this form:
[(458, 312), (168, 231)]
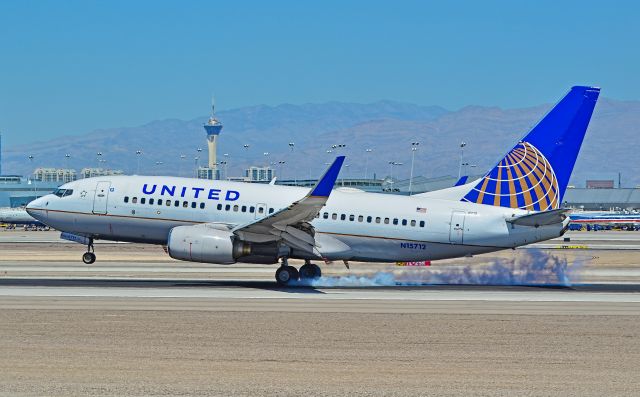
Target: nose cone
[(36, 208)]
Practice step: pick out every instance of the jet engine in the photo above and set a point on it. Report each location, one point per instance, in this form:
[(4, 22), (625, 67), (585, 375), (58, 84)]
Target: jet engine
[(208, 244)]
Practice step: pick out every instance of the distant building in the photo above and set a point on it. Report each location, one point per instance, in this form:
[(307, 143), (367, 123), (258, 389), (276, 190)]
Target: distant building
[(600, 184), (61, 175), (17, 191), (259, 174), (208, 173), (92, 172)]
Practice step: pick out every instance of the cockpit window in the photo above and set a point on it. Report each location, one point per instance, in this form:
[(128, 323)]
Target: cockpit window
[(63, 192)]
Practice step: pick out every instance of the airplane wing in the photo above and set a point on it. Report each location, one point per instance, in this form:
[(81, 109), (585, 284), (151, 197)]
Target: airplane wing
[(541, 218), (291, 224)]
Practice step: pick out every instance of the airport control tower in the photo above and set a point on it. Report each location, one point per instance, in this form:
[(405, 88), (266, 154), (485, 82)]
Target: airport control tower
[(213, 127)]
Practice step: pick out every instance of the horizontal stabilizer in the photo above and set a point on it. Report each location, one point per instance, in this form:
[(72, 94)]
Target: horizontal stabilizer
[(541, 218)]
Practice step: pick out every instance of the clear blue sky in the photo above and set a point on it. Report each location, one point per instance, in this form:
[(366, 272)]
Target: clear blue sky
[(67, 67)]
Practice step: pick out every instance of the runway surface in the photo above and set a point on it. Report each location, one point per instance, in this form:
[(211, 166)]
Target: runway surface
[(138, 323)]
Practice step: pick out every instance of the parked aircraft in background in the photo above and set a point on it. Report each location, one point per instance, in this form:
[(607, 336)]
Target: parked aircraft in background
[(604, 219), (516, 203), (17, 216)]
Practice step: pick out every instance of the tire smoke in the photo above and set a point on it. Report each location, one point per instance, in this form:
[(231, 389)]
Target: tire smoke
[(530, 268)]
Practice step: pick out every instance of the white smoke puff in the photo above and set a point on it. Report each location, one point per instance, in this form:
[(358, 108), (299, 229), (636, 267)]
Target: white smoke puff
[(530, 268)]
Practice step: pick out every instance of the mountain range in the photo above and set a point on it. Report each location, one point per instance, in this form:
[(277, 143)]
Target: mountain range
[(385, 127)]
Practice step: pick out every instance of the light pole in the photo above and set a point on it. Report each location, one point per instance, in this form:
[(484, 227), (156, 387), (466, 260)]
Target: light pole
[(35, 192), (414, 149), (295, 174), (346, 172), (391, 165), (158, 164), (462, 145), (366, 162), (99, 156), (197, 158), (226, 161), (266, 156), (281, 163), (182, 157), (138, 154), (223, 163), (66, 160)]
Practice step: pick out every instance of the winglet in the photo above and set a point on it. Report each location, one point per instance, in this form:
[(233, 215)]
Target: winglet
[(325, 184), (462, 180)]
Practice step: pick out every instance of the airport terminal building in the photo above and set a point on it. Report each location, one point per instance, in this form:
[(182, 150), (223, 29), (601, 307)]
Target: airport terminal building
[(18, 191)]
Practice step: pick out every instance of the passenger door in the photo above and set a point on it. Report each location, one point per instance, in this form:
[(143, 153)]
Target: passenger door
[(456, 232), (100, 197)]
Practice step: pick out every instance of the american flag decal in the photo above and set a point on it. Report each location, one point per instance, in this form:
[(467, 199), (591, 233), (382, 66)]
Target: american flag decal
[(421, 210)]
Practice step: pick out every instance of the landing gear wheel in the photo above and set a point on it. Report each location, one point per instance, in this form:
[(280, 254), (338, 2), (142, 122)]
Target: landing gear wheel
[(310, 271), (88, 257), (286, 274)]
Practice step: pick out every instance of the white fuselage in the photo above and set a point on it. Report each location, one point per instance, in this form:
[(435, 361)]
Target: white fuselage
[(364, 226)]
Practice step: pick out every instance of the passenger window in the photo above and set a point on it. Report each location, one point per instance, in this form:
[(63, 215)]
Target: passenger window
[(404, 222), (151, 201), (378, 219), (421, 223), (185, 204), (176, 203), (159, 201), (413, 223), (219, 207), (168, 203), (334, 216), (201, 206), (126, 199), (252, 209), (142, 200), (271, 210), (235, 208), (134, 200), (261, 210), (227, 207), (395, 221), (343, 217), (352, 218), (244, 208), (194, 204), (325, 215), (369, 219), (386, 221), (360, 218)]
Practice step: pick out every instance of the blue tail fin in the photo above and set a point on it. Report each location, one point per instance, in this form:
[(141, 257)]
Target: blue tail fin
[(535, 173)]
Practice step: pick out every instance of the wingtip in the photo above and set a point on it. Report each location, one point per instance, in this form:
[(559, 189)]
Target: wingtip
[(325, 184)]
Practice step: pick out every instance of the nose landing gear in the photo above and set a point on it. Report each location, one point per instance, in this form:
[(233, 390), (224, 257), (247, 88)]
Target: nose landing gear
[(89, 257)]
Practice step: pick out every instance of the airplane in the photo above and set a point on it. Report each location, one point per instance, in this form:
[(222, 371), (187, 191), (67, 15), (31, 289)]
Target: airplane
[(221, 222), (17, 216), (605, 219)]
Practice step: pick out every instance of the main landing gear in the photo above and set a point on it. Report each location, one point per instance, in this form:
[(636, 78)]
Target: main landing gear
[(286, 274), (89, 257)]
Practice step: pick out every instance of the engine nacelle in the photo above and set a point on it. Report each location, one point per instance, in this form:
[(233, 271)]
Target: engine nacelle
[(204, 243)]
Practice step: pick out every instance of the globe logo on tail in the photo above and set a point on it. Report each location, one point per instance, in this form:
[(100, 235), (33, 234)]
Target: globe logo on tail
[(523, 179)]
